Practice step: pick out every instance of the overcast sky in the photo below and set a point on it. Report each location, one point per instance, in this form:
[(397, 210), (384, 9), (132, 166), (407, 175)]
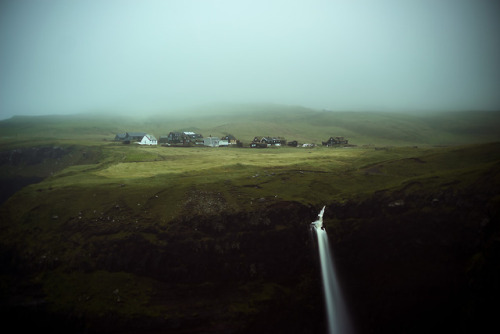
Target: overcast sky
[(67, 56)]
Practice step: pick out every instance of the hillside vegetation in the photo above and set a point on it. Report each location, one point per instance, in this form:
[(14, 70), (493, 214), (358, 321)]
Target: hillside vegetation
[(247, 121), (124, 238)]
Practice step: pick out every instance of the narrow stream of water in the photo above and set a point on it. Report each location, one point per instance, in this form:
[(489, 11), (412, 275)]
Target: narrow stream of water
[(336, 313)]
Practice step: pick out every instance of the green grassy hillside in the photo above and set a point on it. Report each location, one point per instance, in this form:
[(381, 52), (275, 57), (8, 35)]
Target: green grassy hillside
[(125, 238), (247, 121)]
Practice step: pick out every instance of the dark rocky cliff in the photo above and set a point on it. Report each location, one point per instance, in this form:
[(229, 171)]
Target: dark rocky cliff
[(407, 263)]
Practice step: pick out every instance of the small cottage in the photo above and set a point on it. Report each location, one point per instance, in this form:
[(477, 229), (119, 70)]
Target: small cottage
[(186, 138), (211, 141), (332, 141), (134, 136), (258, 145), (215, 142), (270, 141), (120, 136), (231, 140), (148, 139), (141, 138)]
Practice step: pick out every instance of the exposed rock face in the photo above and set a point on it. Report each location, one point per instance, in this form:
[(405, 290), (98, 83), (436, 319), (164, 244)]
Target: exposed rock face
[(271, 243), (11, 161), (404, 268), (11, 185), (32, 155), (425, 264), (27, 165), (270, 247)]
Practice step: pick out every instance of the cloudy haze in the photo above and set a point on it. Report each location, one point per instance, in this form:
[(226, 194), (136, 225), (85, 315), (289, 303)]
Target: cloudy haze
[(73, 56)]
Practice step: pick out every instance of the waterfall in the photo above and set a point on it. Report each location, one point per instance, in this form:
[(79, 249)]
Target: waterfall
[(336, 313)]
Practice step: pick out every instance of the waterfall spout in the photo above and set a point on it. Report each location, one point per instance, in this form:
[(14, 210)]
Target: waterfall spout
[(319, 223), (337, 317)]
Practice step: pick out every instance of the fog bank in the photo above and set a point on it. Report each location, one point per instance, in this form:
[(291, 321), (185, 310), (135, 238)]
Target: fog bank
[(158, 56)]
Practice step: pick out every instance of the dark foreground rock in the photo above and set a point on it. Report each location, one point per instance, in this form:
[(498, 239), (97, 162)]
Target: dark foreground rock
[(429, 262)]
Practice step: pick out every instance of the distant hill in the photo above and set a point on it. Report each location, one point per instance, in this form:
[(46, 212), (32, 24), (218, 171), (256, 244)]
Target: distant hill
[(250, 120)]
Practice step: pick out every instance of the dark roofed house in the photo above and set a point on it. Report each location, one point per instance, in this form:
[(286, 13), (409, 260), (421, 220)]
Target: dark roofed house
[(174, 137), (193, 138), (256, 144), (266, 140), (192, 135), (231, 140), (135, 136), (120, 136), (186, 138), (141, 138), (270, 141), (278, 141), (332, 141)]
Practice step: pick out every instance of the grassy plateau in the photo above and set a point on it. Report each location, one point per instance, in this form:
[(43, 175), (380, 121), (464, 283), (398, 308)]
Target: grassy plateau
[(98, 236)]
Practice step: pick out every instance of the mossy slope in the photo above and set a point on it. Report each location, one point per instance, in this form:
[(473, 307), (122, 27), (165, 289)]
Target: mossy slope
[(210, 240)]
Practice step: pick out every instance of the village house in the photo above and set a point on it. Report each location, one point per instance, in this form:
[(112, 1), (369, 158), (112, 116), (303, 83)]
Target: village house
[(148, 140), (211, 141), (185, 138), (192, 136), (134, 136), (141, 138), (120, 136), (215, 142), (231, 140), (174, 138), (258, 145), (332, 141), (270, 141)]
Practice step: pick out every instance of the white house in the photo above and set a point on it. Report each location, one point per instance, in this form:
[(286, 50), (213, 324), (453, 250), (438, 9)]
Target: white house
[(215, 142), (211, 141), (148, 139)]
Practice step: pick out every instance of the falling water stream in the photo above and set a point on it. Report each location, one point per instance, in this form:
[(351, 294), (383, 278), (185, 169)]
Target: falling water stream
[(337, 317)]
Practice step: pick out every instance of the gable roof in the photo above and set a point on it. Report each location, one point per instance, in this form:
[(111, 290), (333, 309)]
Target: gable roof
[(136, 134), (150, 137)]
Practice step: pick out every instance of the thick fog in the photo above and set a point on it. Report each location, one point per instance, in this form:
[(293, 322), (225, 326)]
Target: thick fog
[(59, 56)]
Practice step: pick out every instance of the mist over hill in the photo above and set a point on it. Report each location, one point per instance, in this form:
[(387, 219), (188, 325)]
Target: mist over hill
[(245, 121)]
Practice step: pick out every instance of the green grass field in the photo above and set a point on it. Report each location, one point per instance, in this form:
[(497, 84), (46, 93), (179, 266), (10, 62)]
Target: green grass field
[(247, 121), (242, 176), (99, 199)]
